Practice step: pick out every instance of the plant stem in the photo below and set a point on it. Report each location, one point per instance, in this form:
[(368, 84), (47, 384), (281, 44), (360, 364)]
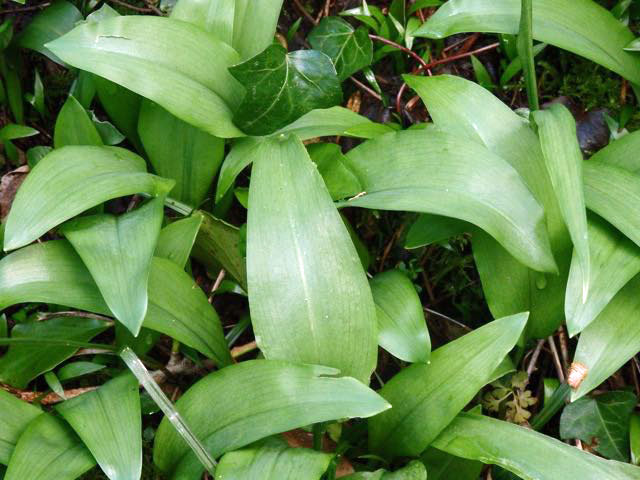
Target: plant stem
[(525, 51), (318, 430)]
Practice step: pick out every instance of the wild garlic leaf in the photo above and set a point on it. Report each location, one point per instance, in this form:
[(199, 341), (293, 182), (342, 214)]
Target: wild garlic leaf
[(74, 127), (281, 87), (118, 250), (15, 416), (49, 450), (602, 422), (349, 48), (109, 422)]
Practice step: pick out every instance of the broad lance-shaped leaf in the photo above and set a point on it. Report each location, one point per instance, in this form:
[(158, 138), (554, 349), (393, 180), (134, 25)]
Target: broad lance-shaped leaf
[(349, 48), (402, 329), (15, 416), (465, 108), (254, 25), (428, 229), (425, 398), (118, 252), (317, 123), (602, 423), (52, 272), (179, 308), (22, 363), (563, 159), (281, 87), (55, 20), (299, 254), (340, 181), (414, 470), (430, 171), (609, 341), (49, 450), (185, 67), (528, 454), (614, 193), (273, 458), (49, 272), (108, 420), (214, 17), (615, 260), (218, 246), (122, 107), (621, 153), (181, 152), (443, 466), (70, 180), (261, 398), (580, 26), (74, 127), (176, 239)]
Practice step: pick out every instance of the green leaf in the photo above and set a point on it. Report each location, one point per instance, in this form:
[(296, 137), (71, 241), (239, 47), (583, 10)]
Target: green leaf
[(181, 152), (615, 260), (349, 49), (425, 398), (254, 25), (52, 272), (634, 435), (54, 384), (516, 65), (23, 363), (74, 127), (37, 98), (602, 422), (167, 53), (328, 122), (464, 108), (54, 21), (49, 450), (78, 369), (270, 397), (218, 246), (49, 272), (415, 470), (430, 171), (402, 329), (526, 453), (69, 181), (428, 229), (563, 159), (273, 458), (282, 87), (613, 193), (117, 252), (108, 421), (580, 26), (12, 131), (122, 107), (179, 308), (15, 416), (317, 123), (621, 153), (443, 466), (290, 229), (331, 163), (109, 134), (215, 17), (610, 340), (176, 239)]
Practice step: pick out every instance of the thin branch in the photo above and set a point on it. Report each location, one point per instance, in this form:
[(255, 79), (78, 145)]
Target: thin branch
[(132, 7), (304, 12), (362, 86), (24, 9), (406, 50), (534, 358), (462, 55), (556, 359)]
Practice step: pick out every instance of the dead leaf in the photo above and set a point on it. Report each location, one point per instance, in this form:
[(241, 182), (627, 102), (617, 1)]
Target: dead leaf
[(9, 185)]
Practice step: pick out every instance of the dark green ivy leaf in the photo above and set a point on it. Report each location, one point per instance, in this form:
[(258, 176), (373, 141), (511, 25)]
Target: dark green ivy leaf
[(281, 87), (350, 49), (602, 422)]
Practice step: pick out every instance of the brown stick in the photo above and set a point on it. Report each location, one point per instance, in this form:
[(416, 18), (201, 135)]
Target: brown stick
[(556, 359), (304, 12), (534, 358), (362, 86), (408, 51)]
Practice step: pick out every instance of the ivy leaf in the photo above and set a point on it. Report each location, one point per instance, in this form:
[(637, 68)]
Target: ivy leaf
[(281, 87), (601, 422), (350, 49)]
